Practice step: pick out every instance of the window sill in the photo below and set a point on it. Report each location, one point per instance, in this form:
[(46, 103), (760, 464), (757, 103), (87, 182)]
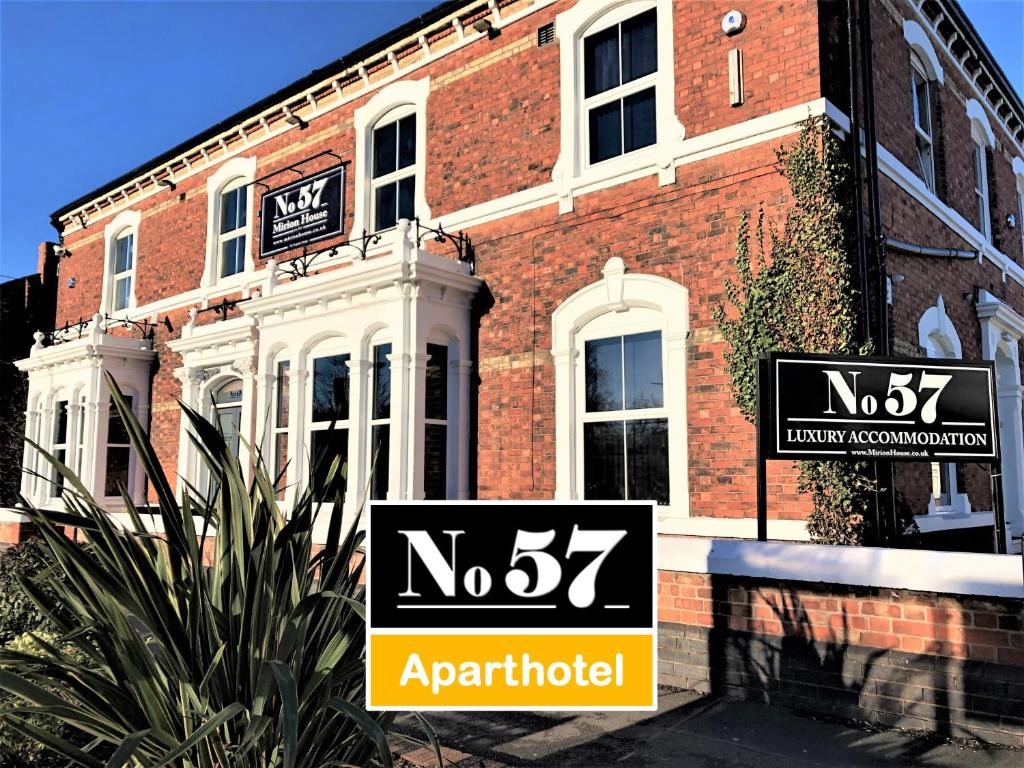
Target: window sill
[(953, 520), (655, 159)]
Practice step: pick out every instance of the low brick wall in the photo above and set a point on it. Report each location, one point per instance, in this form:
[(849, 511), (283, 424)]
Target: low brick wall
[(949, 663)]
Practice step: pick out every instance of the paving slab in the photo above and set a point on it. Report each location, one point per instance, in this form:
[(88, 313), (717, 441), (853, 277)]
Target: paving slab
[(691, 729)]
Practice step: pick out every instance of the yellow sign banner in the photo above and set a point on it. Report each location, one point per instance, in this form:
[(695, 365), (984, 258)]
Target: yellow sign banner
[(509, 671)]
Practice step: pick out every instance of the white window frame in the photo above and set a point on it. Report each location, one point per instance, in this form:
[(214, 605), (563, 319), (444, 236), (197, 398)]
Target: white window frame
[(573, 174), (396, 100), (226, 237), (328, 348), (1018, 175), (983, 140), (124, 224), (104, 449), (396, 114), (56, 487), (618, 93), (979, 163), (610, 326), (378, 340), (926, 136), (230, 175), (277, 429), (937, 335), (451, 412), (621, 304)]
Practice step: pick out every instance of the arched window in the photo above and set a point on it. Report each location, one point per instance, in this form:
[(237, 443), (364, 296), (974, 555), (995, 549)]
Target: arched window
[(390, 164), (939, 339), (121, 239), (329, 411), (926, 76), (229, 220), (983, 141), (620, 389), (1018, 175), (923, 120), (379, 454), (227, 406)]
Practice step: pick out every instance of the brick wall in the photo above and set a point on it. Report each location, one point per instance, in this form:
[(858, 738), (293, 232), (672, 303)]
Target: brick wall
[(897, 658)]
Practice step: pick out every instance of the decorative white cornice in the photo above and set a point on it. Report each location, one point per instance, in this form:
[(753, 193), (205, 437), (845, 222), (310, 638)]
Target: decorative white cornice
[(306, 104), (973, 66)]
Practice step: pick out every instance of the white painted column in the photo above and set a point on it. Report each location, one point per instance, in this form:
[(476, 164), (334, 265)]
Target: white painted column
[(1011, 398), (398, 460), (190, 382), (298, 418), (246, 369), (565, 433), (358, 456), (417, 413), (464, 380)]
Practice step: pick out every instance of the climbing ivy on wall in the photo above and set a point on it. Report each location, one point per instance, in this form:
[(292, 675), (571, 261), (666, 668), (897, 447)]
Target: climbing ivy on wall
[(795, 292)]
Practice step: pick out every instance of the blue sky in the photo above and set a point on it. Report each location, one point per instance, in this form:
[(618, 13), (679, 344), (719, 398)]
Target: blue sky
[(89, 90)]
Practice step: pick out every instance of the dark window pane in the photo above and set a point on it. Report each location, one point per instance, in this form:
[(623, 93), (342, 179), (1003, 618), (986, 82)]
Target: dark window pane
[(381, 381), (601, 61), (384, 206), (60, 431), (233, 256), (384, 149), (380, 449), (58, 479), (647, 459), (122, 292), (604, 374), (283, 397), (117, 471), (326, 445), (639, 46), (406, 192), (437, 382), (638, 121), (407, 141), (232, 210), (605, 131), (603, 465), (124, 253), (435, 459), (230, 421), (330, 388), (117, 433), (280, 461), (642, 362), (229, 392)]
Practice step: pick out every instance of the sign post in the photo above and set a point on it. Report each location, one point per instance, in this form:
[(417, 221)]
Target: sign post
[(833, 408)]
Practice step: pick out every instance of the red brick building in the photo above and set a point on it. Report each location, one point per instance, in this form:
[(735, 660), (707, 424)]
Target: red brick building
[(598, 155), (599, 168)]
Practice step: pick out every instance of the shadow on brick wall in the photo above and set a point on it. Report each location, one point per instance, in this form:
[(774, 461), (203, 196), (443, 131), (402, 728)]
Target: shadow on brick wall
[(776, 645)]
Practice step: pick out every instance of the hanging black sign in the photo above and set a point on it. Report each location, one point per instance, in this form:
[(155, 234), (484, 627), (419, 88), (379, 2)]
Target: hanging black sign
[(893, 409), (303, 212)]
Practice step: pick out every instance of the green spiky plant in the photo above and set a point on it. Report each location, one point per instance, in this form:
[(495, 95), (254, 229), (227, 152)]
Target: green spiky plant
[(250, 655)]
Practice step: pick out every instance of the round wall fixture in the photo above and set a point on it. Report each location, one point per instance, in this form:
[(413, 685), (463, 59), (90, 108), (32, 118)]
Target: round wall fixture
[(733, 22)]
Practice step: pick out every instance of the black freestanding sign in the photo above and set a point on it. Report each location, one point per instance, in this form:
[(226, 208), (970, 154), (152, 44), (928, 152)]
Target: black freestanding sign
[(831, 408), (892, 409), (303, 212)]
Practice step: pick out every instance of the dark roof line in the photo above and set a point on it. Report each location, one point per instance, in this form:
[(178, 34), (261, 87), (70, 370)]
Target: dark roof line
[(999, 77), (317, 75)]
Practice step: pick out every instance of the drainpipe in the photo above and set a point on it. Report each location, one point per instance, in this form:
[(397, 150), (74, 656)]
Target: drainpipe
[(855, 167), (927, 250)]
